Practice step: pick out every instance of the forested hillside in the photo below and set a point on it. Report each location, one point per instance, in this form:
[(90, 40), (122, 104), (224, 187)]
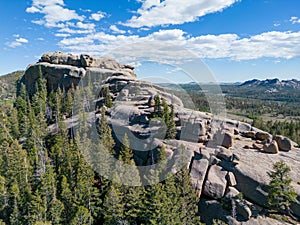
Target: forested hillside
[(8, 86), (45, 180)]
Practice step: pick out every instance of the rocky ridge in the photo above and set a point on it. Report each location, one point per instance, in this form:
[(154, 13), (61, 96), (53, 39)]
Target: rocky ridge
[(275, 83), (226, 157)]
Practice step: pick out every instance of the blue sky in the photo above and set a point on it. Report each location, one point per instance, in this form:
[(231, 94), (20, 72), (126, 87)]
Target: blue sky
[(237, 39)]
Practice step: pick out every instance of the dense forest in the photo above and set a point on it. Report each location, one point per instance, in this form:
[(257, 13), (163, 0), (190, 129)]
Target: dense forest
[(45, 179)]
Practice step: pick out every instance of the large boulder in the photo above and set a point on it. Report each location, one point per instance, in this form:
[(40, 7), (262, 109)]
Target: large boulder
[(192, 130), (284, 143), (224, 138), (262, 136), (101, 62), (216, 182), (271, 147), (61, 58), (224, 154), (198, 172)]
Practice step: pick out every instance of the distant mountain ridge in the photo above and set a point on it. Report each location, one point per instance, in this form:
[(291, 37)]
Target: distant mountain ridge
[(274, 83)]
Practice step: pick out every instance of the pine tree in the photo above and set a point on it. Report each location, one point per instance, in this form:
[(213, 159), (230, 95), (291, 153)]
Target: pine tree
[(68, 103), (37, 208), (187, 198), (132, 194), (21, 104), (107, 97), (13, 123), (171, 131), (157, 113), (85, 194), (105, 133), (3, 193), (66, 197), (166, 113), (82, 216), (113, 204), (55, 211), (281, 193), (126, 154)]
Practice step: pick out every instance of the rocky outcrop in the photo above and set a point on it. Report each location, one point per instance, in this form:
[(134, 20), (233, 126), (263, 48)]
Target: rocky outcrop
[(66, 70), (214, 148)]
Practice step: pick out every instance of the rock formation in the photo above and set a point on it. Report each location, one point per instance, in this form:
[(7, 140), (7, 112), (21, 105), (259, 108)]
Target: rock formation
[(64, 70), (220, 165)]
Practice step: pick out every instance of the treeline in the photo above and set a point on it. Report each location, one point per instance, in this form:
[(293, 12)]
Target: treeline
[(290, 129), (45, 179), (8, 87)]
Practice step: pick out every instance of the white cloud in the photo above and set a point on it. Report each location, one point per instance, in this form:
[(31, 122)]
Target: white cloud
[(173, 45), (97, 16), (16, 43), (74, 31), (115, 29), (86, 26), (154, 13), (294, 20), (22, 40), (62, 35), (40, 39), (54, 11), (276, 24), (32, 9)]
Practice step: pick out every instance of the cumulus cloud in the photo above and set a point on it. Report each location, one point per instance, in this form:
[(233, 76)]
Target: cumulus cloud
[(115, 29), (155, 12), (17, 42), (97, 16), (54, 11), (294, 20), (171, 45)]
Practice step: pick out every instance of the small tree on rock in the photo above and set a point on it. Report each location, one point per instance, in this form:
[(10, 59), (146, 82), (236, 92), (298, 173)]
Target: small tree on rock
[(281, 193)]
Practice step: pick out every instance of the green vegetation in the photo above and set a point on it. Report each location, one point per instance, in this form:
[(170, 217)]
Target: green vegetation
[(274, 112), (290, 129), (8, 84), (44, 178), (162, 112), (281, 193)]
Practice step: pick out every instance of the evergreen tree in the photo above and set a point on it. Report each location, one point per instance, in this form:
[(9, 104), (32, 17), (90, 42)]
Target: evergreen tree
[(55, 211), (82, 216), (157, 107), (37, 208), (66, 196), (131, 194), (13, 123), (21, 104), (166, 113), (171, 131), (281, 192), (187, 198), (126, 154), (107, 97), (3, 193), (85, 194), (113, 204), (105, 132)]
